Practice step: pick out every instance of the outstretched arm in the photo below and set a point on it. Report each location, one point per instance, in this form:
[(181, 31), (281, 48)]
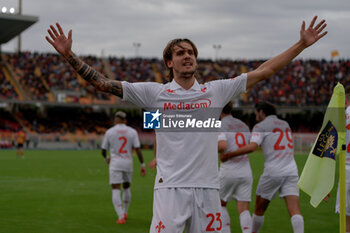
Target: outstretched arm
[(251, 147), (307, 38), (63, 45)]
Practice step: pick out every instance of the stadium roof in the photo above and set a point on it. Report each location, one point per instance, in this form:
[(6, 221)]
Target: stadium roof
[(11, 25)]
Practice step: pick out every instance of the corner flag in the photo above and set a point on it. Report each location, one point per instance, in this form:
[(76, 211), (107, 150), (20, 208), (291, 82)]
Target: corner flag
[(317, 178)]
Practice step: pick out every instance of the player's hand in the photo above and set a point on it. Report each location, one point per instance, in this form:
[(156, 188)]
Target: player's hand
[(143, 170), (108, 160), (222, 157), (59, 41), (153, 163), (313, 33)]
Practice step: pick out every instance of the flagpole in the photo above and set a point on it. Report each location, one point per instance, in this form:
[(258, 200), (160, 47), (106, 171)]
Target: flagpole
[(342, 198), (342, 178)]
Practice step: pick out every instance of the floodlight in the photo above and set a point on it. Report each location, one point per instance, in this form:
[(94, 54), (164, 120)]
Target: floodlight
[(4, 9)]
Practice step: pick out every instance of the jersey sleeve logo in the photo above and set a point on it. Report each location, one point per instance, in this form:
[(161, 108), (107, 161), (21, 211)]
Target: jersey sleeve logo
[(327, 141)]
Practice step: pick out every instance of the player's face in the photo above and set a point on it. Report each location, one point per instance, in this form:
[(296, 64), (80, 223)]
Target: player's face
[(183, 60)]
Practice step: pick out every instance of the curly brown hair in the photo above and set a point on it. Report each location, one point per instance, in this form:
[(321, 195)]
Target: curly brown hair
[(168, 53)]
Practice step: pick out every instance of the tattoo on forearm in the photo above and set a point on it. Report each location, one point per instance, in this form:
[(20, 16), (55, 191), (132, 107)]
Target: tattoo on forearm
[(99, 81)]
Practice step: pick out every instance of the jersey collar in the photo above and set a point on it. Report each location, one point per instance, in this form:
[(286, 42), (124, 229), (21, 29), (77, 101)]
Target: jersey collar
[(271, 116), (174, 85)]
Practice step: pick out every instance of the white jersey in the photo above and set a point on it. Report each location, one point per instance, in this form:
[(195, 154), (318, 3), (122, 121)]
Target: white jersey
[(236, 134), (275, 137), (119, 140), (186, 159), (347, 154)]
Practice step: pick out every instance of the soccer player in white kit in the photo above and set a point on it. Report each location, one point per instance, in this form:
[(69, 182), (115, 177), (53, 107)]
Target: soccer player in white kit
[(347, 163), (280, 170), (119, 141), (186, 195), (235, 174)]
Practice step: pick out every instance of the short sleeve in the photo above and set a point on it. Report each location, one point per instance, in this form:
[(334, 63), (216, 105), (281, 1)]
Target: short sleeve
[(227, 89), (257, 135), (222, 137), (141, 94)]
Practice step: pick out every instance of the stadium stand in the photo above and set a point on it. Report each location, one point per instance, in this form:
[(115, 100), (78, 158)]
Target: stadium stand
[(41, 93), (6, 88), (46, 77)]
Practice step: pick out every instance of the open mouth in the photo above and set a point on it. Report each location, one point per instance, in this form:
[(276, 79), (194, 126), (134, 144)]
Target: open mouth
[(187, 64)]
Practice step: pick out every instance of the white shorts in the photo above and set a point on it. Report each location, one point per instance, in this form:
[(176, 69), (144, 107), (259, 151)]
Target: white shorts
[(268, 186), (119, 177), (347, 201), (239, 188), (194, 210)]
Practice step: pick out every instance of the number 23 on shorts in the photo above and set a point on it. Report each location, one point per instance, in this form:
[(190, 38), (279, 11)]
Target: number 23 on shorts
[(214, 219)]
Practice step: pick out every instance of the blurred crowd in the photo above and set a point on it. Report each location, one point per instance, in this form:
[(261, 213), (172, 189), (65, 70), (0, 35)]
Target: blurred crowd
[(48, 77), (45, 76), (7, 90)]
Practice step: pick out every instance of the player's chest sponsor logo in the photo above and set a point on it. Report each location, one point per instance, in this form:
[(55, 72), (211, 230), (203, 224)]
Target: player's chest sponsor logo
[(188, 105)]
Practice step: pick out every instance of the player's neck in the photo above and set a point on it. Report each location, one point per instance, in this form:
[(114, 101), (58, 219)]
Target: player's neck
[(185, 82), (223, 115)]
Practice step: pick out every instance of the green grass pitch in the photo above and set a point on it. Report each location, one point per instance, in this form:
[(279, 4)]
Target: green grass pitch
[(68, 191)]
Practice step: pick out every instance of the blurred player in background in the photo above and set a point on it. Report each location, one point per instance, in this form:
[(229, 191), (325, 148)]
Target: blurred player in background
[(280, 170), (20, 139), (186, 195), (235, 173), (347, 162), (119, 140)]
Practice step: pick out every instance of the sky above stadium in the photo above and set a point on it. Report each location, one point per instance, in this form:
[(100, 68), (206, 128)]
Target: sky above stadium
[(244, 29)]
